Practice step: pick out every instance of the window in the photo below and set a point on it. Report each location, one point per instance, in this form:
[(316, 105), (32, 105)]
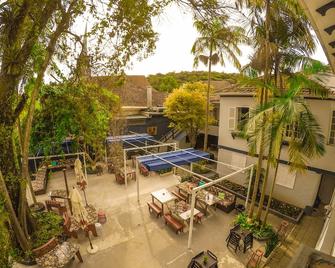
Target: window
[(152, 131), (237, 118), (291, 132), (332, 129)]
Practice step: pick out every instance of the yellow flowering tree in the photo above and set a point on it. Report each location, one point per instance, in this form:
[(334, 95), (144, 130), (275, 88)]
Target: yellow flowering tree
[(186, 108)]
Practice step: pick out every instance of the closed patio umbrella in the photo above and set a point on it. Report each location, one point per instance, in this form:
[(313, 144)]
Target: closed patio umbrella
[(81, 179), (79, 212)]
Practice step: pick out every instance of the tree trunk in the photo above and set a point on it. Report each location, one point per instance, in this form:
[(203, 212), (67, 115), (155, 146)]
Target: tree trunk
[(263, 100), (272, 187), (19, 232), (265, 180), (61, 27), (207, 97)]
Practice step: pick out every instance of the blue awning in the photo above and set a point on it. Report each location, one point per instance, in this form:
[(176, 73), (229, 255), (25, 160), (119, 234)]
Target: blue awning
[(133, 139), (180, 157)]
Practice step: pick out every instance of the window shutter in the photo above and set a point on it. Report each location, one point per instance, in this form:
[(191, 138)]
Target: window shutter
[(232, 118)]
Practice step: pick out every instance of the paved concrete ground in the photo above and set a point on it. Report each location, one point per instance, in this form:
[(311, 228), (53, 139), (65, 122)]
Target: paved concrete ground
[(133, 238)]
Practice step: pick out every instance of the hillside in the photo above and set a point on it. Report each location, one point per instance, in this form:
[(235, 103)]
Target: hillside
[(169, 81)]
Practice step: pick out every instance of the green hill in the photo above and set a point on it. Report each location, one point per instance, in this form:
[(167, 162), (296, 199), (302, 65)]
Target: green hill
[(169, 81)]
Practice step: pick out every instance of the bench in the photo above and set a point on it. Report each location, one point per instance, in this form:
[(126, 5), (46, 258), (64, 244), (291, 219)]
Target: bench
[(179, 196), (55, 254), (175, 224), (40, 183), (153, 208)]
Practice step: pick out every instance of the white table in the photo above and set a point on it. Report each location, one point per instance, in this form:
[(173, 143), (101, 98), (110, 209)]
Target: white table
[(187, 214), (163, 196)]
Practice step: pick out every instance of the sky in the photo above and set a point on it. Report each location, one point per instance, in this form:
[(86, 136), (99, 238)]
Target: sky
[(173, 49)]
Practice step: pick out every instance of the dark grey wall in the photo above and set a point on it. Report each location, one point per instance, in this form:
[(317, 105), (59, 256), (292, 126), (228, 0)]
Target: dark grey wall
[(161, 122)]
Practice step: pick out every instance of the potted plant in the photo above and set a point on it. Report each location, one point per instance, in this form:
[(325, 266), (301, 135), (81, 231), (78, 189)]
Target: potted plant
[(205, 259)]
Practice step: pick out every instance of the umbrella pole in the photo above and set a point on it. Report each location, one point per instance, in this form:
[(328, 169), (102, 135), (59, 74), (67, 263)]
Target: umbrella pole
[(89, 239), (66, 184), (85, 197)]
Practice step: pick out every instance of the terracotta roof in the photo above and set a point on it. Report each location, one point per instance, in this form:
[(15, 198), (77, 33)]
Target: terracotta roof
[(133, 91), (228, 88)]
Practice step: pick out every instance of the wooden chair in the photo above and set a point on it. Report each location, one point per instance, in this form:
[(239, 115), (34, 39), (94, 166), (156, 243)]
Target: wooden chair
[(234, 241), (174, 223), (153, 208), (144, 171), (55, 206), (69, 229), (248, 242), (55, 255), (283, 230), (194, 264), (255, 259), (179, 196), (198, 217), (119, 178), (236, 227)]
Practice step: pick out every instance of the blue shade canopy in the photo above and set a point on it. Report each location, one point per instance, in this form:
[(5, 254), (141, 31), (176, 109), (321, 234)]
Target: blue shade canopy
[(133, 139), (180, 157)]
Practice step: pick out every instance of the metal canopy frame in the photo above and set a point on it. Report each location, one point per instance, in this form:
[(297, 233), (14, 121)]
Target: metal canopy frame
[(59, 155), (196, 189), (137, 138)]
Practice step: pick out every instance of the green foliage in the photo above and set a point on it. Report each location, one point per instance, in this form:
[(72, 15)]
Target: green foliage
[(163, 171), (49, 225), (271, 244), (186, 108), (81, 111), (200, 167), (258, 230), (168, 82)]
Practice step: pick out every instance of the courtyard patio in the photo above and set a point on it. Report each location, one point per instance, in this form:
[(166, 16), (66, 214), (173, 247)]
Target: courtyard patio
[(132, 237)]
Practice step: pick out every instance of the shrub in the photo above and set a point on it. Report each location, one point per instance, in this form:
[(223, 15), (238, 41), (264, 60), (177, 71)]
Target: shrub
[(271, 244), (258, 230), (48, 225)]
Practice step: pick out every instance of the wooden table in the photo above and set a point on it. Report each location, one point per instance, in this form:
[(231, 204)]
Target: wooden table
[(62, 194), (207, 198), (211, 262), (163, 196), (186, 188)]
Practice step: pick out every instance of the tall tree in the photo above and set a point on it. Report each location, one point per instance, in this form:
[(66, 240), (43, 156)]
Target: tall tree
[(282, 43), (186, 107), (220, 42)]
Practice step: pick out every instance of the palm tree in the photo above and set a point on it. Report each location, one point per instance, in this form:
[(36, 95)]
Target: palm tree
[(287, 110), (282, 43), (220, 42)]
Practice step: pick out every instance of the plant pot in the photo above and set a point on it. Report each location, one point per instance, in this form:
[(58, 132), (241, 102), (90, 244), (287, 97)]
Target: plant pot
[(38, 207), (28, 262)]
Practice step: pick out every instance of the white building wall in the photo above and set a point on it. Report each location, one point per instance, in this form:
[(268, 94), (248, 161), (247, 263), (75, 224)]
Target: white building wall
[(306, 184)]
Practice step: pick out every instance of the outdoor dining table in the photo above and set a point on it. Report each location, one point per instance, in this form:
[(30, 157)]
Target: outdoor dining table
[(186, 187), (207, 198), (183, 210), (211, 261), (163, 196)]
